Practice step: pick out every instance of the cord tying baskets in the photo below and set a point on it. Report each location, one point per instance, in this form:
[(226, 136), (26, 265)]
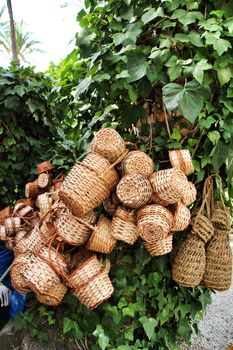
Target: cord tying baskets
[(108, 143), (154, 222), (134, 191), (102, 239), (137, 162), (160, 247), (181, 159), (124, 226)]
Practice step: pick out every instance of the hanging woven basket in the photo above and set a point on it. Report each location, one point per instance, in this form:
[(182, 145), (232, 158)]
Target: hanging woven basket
[(221, 218), (189, 194), (83, 190), (134, 191), (102, 168), (137, 162), (124, 226), (12, 225), (44, 167), (108, 143), (154, 222), (101, 239), (53, 296), (182, 217), (218, 272), (202, 227), (189, 263), (73, 230), (168, 185), (160, 247), (181, 159)]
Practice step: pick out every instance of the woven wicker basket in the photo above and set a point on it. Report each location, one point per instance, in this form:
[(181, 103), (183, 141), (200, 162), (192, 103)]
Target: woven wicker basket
[(40, 276), (54, 259), (90, 283), (44, 202), (124, 226), (102, 168), (12, 225), (108, 143), (53, 296), (43, 181), (58, 182), (157, 200), (189, 193), (74, 231), (218, 272), (182, 217), (4, 213), (32, 190), (137, 162), (111, 203), (3, 235), (25, 212), (47, 231), (189, 263), (17, 273), (44, 167), (168, 184), (202, 227), (181, 159), (221, 219), (102, 240), (154, 222), (160, 247), (134, 191), (20, 235), (83, 190), (32, 243)]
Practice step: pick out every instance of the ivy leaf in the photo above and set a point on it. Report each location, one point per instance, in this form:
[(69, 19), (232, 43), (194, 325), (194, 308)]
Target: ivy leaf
[(81, 87), (67, 325), (219, 155), (199, 69), (206, 123), (186, 17), (224, 75), (214, 136), (149, 324), (137, 65), (219, 44), (229, 24), (132, 93), (152, 14), (103, 339), (184, 327), (188, 98)]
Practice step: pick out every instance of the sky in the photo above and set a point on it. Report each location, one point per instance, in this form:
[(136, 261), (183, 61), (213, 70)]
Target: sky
[(52, 22)]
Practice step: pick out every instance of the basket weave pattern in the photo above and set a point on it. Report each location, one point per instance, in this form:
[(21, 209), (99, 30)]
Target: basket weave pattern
[(160, 247), (181, 159), (124, 226), (189, 193), (182, 218), (137, 162)]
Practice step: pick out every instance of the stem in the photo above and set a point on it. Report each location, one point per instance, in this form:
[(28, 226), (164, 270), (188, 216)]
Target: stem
[(15, 56), (166, 121)]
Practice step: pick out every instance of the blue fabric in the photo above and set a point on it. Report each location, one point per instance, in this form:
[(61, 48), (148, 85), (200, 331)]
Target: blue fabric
[(6, 259), (17, 302)]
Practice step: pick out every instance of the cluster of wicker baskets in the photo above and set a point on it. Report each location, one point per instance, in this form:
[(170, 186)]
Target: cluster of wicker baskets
[(59, 241)]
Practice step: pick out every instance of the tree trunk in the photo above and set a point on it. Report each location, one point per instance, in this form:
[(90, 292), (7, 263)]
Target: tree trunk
[(13, 37)]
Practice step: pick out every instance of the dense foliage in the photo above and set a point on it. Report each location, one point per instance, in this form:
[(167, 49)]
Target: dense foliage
[(161, 73)]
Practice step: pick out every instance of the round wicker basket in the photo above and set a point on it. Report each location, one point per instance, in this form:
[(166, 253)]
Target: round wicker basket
[(102, 168), (137, 162), (12, 225), (53, 296), (169, 184), (189, 263), (74, 231), (181, 159), (44, 167), (134, 191), (160, 247), (43, 181), (83, 190), (182, 217), (108, 143), (32, 190), (124, 226), (17, 273), (32, 243), (189, 193), (102, 240), (218, 272), (154, 222), (54, 259)]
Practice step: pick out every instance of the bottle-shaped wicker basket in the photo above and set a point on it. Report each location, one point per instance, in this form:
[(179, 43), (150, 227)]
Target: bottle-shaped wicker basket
[(124, 226)]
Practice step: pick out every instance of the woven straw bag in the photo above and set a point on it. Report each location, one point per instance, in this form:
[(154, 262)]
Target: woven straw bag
[(44, 202), (53, 296), (32, 243), (221, 218), (32, 190), (17, 273), (182, 217), (189, 263), (108, 143), (154, 222), (218, 272), (103, 168), (168, 185), (134, 191), (83, 190), (2, 233), (90, 283), (12, 225), (189, 193), (137, 162), (160, 247), (111, 203), (202, 227), (43, 181), (124, 226), (181, 159), (47, 231), (73, 230), (102, 240), (44, 167), (4, 213)]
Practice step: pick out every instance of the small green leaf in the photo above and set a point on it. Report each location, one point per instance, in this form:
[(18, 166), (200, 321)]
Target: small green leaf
[(67, 325), (152, 14), (214, 136), (103, 339), (149, 325), (184, 328), (137, 65), (132, 93), (224, 75), (199, 69), (122, 74), (219, 44), (219, 155), (81, 87)]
